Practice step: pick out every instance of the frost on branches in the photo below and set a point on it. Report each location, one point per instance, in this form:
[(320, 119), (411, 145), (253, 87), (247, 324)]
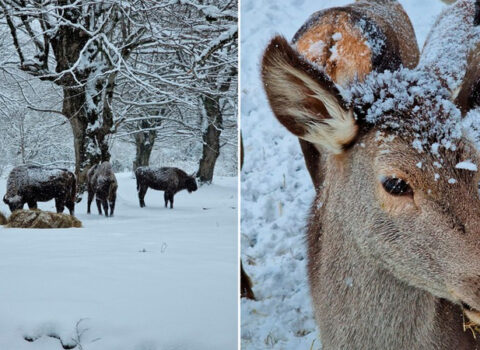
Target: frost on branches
[(136, 71)]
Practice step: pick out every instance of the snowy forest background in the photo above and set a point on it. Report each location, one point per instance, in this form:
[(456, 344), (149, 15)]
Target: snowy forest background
[(136, 81)]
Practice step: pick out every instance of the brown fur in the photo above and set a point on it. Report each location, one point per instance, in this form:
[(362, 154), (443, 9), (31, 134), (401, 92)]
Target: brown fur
[(168, 179), (245, 284), (355, 57), (103, 185), (410, 267), (355, 54), (31, 184), (313, 162), (468, 96), (41, 219), (385, 271)]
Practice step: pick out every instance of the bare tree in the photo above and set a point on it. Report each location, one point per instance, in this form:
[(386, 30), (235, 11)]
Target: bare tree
[(81, 46), (199, 65), (148, 68), (216, 65)]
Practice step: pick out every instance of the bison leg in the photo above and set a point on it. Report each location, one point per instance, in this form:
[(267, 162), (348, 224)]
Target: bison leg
[(141, 195), (111, 200), (105, 206), (168, 196), (91, 194), (31, 205), (70, 206), (99, 206), (60, 204), (112, 206)]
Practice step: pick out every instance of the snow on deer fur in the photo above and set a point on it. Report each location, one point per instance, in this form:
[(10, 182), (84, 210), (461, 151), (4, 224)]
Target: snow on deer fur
[(418, 96), (424, 94), (273, 239), (453, 36), (396, 267)]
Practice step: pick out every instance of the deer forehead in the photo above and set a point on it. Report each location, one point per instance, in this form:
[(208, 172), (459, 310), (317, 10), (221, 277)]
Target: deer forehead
[(407, 102), (432, 168)]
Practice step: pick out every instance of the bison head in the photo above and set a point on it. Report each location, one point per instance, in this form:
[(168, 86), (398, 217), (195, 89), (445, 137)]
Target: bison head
[(14, 203), (191, 184)]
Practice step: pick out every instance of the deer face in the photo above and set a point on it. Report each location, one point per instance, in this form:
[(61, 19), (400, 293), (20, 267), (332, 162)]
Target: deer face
[(414, 214), (401, 176)]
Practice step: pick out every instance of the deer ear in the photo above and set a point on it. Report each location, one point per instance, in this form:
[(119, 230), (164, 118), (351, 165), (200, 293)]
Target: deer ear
[(304, 99), (351, 41), (448, 54), (467, 96)]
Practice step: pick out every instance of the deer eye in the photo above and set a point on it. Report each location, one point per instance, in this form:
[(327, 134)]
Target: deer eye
[(396, 186)]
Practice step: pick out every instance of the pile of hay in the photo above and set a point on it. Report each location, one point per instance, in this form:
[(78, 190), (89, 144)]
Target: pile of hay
[(41, 219), (471, 322), (3, 219)]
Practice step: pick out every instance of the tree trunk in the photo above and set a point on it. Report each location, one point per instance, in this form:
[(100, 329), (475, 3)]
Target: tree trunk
[(211, 139), (90, 142), (87, 87), (144, 142)]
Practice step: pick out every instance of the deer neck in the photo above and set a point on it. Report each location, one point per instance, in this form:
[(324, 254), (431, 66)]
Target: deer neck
[(359, 304)]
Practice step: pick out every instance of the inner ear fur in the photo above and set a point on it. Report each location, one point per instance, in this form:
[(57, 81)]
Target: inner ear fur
[(304, 99)]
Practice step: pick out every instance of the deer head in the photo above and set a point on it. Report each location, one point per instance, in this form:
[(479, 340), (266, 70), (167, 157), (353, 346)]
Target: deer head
[(388, 142)]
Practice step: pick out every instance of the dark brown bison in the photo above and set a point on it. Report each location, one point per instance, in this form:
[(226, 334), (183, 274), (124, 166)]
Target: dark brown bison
[(31, 184), (170, 180), (102, 183)]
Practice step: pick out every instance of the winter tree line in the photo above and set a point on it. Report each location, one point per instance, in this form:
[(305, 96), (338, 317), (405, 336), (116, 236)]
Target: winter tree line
[(81, 78)]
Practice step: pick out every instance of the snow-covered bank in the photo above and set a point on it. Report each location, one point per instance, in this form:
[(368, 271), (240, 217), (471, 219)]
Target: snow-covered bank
[(276, 188), (147, 279)]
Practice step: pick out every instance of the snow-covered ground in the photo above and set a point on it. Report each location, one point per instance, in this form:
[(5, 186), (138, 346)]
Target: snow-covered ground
[(276, 188), (147, 279)]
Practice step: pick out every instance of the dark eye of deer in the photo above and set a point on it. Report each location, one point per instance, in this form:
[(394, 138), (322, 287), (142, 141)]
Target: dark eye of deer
[(396, 187)]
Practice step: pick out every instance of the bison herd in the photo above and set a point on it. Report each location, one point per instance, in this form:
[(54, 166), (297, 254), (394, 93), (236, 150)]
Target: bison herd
[(31, 184)]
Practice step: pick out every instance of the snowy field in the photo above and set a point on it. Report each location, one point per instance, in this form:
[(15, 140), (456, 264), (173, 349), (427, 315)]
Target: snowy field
[(146, 279), (276, 188)]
